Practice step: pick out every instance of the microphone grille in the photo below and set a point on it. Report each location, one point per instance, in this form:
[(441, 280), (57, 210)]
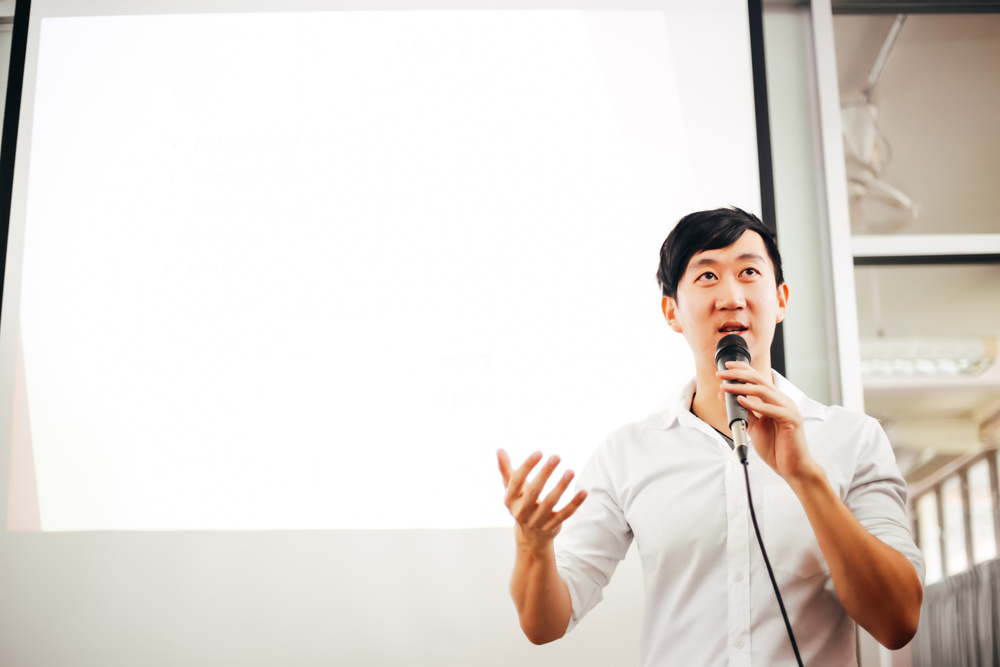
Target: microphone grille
[(732, 347)]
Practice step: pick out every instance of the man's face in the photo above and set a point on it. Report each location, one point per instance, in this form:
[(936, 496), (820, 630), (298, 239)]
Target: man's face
[(724, 291)]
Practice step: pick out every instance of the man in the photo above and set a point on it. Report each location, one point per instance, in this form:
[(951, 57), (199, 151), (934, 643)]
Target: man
[(824, 483)]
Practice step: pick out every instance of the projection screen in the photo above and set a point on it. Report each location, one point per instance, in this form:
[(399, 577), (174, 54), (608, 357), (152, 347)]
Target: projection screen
[(281, 277)]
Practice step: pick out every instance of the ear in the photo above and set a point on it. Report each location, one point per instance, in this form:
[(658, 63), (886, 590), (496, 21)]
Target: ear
[(782, 301), (669, 307)]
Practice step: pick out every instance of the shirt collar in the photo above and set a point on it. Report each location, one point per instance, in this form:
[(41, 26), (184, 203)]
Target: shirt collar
[(681, 411)]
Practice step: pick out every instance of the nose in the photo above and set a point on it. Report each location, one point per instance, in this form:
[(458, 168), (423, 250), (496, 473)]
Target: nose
[(730, 295)]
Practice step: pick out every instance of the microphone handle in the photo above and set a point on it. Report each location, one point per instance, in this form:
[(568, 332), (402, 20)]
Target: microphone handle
[(734, 410), (740, 439)]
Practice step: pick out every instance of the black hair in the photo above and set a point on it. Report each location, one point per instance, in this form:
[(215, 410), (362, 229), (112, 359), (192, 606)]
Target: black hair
[(710, 230)]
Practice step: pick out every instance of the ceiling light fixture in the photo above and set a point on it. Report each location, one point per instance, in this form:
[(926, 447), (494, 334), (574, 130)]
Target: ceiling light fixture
[(927, 357)]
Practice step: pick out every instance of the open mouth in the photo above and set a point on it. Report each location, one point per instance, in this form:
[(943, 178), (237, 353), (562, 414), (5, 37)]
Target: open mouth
[(732, 328)]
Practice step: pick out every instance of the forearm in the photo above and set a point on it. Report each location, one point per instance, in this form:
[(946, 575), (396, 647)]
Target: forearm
[(877, 585), (540, 595)]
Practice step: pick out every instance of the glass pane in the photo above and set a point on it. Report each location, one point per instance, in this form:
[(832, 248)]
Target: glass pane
[(954, 526), (984, 543), (930, 536), (956, 295), (894, 167)]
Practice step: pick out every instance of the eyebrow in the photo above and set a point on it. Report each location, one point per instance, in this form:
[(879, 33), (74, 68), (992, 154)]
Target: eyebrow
[(709, 261)]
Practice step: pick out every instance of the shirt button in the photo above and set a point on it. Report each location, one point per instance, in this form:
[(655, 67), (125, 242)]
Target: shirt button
[(738, 643), (739, 576)]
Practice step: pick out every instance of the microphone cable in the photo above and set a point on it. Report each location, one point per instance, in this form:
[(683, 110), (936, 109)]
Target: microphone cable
[(733, 347), (767, 562)]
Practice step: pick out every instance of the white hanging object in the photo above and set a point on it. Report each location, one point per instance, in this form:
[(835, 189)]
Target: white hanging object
[(876, 206)]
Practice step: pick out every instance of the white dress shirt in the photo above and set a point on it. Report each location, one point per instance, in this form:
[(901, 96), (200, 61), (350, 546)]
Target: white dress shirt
[(674, 484)]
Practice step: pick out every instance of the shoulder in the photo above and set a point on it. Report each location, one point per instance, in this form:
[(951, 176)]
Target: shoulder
[(844, 442), (638, 433), (623, 446), (832, 417), (857, 421), (628, 452)]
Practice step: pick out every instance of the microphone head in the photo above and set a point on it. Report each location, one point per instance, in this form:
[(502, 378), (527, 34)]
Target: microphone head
[(732, 347)]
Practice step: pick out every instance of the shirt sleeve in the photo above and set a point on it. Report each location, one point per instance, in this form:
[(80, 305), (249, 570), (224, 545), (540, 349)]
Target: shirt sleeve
[(877, 496), (594, 540)]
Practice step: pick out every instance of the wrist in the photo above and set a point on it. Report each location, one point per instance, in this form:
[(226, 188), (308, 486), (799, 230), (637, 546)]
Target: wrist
[(808, 476), (532, 546)]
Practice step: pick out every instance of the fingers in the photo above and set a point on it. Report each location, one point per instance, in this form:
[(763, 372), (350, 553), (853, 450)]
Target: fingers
[(757, 393), (515, 479), (534, 488), (770, 404), (767, 402), (740, 371), (549, 521), (568, 510), (739, 378), (555, 494), (556, 519), (745, 381), (768, 394), (522, 497), (760, 408), (503, 461)]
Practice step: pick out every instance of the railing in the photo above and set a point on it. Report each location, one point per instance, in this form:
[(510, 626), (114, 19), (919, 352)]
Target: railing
[(956, 515), (960, 620)]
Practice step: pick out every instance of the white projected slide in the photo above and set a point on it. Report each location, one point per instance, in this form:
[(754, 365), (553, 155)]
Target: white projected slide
[(303, 270)]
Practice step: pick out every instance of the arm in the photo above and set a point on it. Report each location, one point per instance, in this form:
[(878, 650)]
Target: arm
[(877, 585), (540, 596)]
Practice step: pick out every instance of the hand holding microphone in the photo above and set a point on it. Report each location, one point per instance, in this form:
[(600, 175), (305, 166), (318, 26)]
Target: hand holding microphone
[(778, 433)]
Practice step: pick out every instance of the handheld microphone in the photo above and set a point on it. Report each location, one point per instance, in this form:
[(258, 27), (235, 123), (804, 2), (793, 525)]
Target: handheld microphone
[(734, 348)]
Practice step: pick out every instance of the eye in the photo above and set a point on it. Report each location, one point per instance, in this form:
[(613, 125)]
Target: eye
[(751, 271), (708, 275)]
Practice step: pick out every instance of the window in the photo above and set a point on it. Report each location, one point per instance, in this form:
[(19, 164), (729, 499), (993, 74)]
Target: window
[(930, 536), (984, 542), (953, 512)]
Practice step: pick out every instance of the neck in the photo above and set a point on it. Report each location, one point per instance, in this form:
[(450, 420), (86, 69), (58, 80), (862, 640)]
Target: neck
[(707, 406)]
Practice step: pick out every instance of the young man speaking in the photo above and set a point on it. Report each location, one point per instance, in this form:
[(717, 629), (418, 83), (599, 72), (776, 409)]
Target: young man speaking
[(824, 482)]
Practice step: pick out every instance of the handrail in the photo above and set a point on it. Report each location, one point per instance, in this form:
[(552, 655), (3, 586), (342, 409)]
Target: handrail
[(917, 489)]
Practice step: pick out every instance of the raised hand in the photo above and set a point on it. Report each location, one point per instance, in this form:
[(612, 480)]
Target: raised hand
[(537, 520)]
